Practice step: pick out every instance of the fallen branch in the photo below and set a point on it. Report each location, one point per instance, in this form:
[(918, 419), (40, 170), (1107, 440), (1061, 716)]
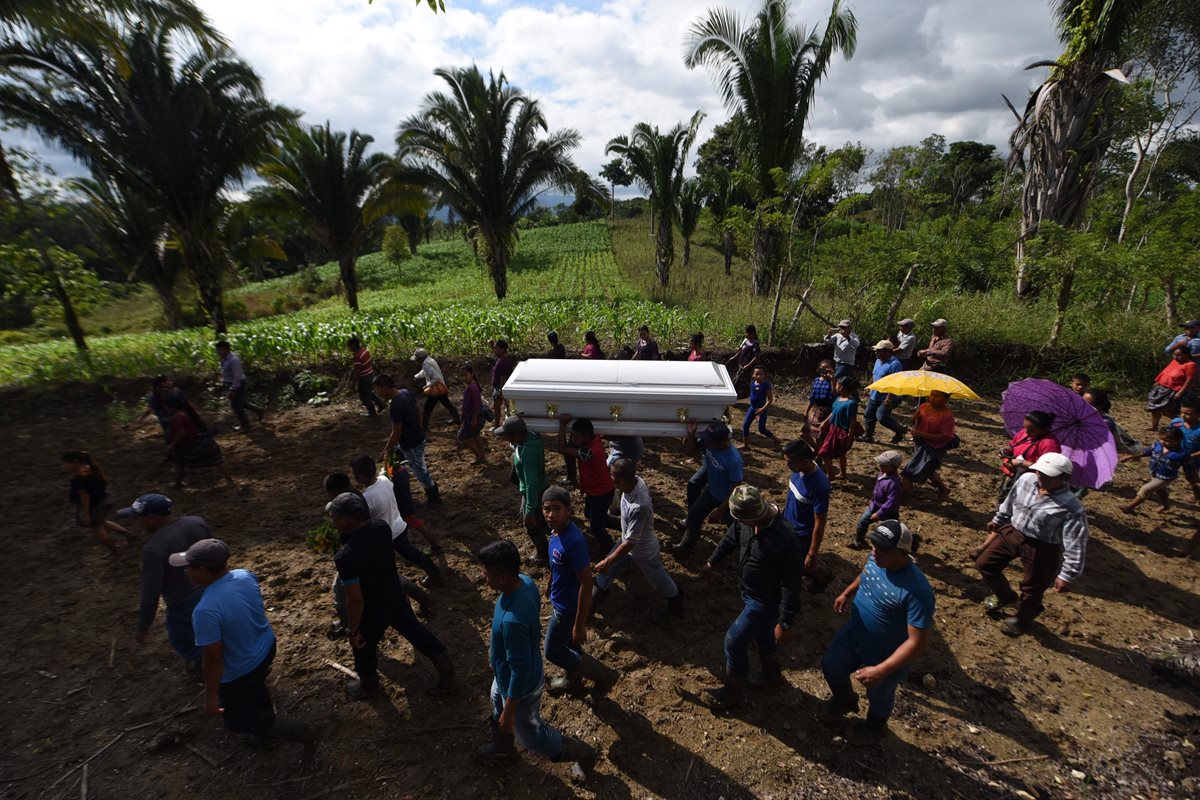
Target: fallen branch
[(1006, 761), (83, 784), (78, 767), (348, 785), (688, 774), (112, 653), (301, 699), (344, 670), (203, 756), (459, 727)]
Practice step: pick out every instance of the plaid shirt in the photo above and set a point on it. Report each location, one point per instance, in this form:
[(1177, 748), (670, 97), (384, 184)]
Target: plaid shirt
[(822, 392), (1055, 518)]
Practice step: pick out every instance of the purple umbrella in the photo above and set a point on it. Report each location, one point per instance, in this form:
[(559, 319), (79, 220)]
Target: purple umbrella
[(1079, 428)]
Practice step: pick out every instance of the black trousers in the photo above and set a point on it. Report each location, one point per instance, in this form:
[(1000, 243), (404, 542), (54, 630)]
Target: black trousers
[(247, 702), (366, 393), (402, 618), (432, 400)]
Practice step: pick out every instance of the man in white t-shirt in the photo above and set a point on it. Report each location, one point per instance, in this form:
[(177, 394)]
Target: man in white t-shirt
[(845, 348), (906, 342), (377, 490), (639, 543), (435, 387)]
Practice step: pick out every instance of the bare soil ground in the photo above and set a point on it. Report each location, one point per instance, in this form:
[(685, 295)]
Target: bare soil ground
[(1071, 711)]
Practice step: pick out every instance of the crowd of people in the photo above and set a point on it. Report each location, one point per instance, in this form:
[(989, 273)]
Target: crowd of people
[(216, 621)]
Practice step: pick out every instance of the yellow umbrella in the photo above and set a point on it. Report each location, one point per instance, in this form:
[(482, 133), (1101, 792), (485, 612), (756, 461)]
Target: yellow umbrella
[(919, 383)]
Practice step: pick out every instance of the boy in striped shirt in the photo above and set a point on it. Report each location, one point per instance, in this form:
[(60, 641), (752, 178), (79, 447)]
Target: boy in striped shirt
[(363, 372)]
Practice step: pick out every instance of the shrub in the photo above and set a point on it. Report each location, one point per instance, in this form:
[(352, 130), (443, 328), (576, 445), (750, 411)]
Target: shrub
[(395, 245)]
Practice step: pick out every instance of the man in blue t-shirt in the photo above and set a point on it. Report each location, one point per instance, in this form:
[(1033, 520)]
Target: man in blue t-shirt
[(570, 592), (807, 508), (723, 470), (237, 647), (517, 667), (891, 618), (1189, 338), (879, 404)]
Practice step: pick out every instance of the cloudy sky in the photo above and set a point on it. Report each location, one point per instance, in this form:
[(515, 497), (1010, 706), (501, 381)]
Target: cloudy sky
[(922, 66)]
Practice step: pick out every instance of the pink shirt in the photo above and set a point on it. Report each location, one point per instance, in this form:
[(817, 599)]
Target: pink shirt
[(1033, 449), (591, 351), (695, 356)]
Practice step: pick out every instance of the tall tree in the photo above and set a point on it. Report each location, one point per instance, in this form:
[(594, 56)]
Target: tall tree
[(484, 149), (656, 161), (767, 71), (327, 178), (179, 124), (137, 233), (1069, 121), (615, 173), (691, 200)]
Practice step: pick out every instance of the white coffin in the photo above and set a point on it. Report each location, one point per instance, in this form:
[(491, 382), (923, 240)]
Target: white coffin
[(647, 398)]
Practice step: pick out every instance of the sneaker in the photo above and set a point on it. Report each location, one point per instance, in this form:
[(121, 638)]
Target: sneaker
[(899, 437), (1013, 627), (857, 545)]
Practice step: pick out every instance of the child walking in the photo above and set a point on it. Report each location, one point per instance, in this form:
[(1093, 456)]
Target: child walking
[(474, 415), (838, 431), (820, 403), (762, 396), (88, 492), (1166, 458), (885, 499)]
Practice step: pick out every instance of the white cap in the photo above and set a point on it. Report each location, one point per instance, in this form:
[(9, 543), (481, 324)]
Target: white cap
[(1053, 464), (884, 344), (938, 323)]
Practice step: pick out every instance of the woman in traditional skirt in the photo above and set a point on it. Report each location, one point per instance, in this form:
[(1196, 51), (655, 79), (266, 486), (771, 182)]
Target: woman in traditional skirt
[(1177, 380), (188, 447), (933, 433), (820, 403), (838, 431)]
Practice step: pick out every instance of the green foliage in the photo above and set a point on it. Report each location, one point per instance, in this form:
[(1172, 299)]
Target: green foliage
[(323, 539), (395, 245), (23, 279)]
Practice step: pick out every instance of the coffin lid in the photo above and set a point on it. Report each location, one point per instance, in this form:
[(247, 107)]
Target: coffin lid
[(594, 379)]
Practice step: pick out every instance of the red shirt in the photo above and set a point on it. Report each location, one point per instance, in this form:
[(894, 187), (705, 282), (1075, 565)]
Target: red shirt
[(1175, 375), (594, 477), (362, 363), (1033, 449), (182, 423), (927, 420)]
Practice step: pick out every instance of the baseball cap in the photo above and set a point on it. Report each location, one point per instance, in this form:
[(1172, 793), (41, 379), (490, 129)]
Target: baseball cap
[(212, 553), (1053, 464), (1191, 323), (846, 324), (889, 458), (556, 494), (747, 503), (512, 426), (347, 504), (420, 354), (906, 322), (884, 344), (715, 432), (938, 323), (154, 505), (891, 534)]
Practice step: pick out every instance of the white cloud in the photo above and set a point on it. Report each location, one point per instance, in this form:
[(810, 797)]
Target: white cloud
[(599, 67)]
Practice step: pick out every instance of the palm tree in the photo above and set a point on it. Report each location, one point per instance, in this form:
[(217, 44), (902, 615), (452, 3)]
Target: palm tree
[(179, 126), (691, 200), (477, 147), (768, 72), (1070, 120), (138, 236), (328, 180), (656, 161)]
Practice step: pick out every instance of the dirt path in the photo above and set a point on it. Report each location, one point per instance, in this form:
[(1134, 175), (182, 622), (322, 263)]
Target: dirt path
[(1074, 699)]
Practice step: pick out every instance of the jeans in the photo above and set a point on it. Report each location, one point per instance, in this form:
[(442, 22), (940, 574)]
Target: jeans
[(402, 491), (415, 456), (757, 623), (843, 658), (864, 523), (560, 650), (432, 400), (878, 411), (537, 532), (751, 412), (697, 483), (652, 568), (532, 732), (239, 405), (698, 512), (366, 658), (366, 394), (247, 701), (843, 371), (178, 622), (595, 508)]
